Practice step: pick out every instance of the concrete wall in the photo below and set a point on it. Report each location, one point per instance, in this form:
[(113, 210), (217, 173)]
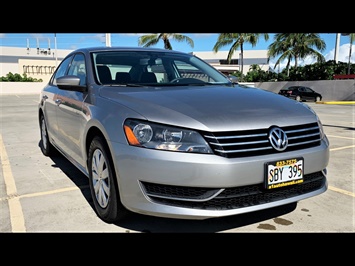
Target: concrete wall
[(21, 87), (331, 90)]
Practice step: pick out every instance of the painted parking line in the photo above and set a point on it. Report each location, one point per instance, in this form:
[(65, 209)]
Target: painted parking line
[(342, 191), (15, 208), (340, 137), (337, 149), (336, 102), (343, 148)]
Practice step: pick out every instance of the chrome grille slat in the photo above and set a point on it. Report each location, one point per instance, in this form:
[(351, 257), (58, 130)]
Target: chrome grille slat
[(245, 150), (304, 136), (239, 143), (300, 130), (256, 142), (237, 136), (304, 142)]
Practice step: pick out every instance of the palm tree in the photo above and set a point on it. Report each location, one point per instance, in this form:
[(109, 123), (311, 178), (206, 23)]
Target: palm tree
[(352, 39), (295, 46), (237, 40), (152, 39)]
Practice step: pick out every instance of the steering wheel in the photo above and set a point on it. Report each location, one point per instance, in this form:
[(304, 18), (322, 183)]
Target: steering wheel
[(176, 80), (187, 81)]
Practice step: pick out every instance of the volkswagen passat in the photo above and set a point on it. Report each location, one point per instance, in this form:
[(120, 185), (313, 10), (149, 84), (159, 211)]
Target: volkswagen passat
[(162, 133)]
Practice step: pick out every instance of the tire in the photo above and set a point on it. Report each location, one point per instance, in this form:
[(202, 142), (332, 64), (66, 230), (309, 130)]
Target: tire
[(103, 184), (45, 145), (298, 98), (318, 99)]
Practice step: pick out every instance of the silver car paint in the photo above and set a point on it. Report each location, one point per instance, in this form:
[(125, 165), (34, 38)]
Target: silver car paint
[(215, 108), (210, 108)]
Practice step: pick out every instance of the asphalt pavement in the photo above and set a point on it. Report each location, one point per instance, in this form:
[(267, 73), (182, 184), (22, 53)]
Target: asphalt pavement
[(44, 194)]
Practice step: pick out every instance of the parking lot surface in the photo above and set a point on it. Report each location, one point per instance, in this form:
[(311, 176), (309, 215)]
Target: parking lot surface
[(44, 194)]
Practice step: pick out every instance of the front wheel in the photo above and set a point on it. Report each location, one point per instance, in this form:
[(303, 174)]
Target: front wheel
[(103, 185), (318, 99)]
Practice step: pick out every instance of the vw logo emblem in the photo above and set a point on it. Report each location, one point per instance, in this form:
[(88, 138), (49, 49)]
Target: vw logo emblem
[(278, 139)]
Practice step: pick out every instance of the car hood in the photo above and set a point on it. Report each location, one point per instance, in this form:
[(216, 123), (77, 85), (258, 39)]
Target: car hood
[(211, 108)]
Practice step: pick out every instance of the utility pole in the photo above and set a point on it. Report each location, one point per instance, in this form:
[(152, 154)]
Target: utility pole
[(108, 39), (336, 48), (351, 44), (55, 48)]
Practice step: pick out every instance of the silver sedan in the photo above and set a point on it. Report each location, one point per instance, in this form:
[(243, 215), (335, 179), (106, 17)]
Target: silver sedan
[(163, 133)]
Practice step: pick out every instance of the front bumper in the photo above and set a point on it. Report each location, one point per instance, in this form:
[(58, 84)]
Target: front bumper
[(196, 186)]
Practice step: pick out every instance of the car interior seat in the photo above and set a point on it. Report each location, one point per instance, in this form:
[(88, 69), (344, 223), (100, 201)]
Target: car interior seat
[(104, 74), (148, 77), (123, 77)]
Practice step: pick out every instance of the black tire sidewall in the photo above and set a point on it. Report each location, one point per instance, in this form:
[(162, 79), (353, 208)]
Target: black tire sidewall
[(45, 150), (110, 213)]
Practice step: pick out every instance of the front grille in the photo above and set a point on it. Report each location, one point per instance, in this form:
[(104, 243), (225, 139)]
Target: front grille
[(229, 198), (255, 142)]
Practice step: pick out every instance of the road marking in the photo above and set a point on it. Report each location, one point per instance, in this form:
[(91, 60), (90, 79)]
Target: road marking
[(342, 191), (336, 102), (60, 190), (339, 137), (342, 148), (51, 192), (15, 208)]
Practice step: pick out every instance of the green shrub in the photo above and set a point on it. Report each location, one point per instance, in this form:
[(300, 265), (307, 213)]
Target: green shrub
[(18, 78)]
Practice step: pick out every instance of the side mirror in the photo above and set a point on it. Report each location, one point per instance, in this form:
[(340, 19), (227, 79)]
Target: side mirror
[(71, 83)]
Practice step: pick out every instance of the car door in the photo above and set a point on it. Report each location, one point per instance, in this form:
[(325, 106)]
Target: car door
[(49, 97), (309, 94), (70, 116)]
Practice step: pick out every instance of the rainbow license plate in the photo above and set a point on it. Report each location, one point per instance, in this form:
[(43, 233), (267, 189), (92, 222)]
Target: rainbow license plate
[(283, 173)]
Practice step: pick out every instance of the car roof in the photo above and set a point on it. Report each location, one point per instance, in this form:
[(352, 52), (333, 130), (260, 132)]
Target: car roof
[(123, 48)]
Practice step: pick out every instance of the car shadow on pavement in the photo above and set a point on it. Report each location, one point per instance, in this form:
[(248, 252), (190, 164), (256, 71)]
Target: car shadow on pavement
[(74, 174), (150, 224), (346, 128)]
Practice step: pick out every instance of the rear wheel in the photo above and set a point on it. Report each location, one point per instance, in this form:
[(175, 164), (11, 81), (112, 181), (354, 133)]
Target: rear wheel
[(298, 98), (103, 185), (46, 147)]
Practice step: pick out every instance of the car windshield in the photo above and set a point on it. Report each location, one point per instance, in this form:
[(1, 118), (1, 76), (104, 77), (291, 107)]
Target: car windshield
[(152, 68)]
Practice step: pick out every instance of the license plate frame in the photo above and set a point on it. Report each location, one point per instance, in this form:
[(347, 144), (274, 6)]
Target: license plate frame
[(283, 173)]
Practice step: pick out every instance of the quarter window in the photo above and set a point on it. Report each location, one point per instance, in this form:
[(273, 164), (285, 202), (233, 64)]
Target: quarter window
[(77, 68), (62, 70)]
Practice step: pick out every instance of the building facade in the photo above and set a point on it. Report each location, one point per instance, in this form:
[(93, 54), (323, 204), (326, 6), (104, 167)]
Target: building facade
[(34, 62)]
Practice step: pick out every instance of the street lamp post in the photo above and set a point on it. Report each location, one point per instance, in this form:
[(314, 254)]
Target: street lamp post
[(55, 48), (336, 48), (108, 39), (351, 44)]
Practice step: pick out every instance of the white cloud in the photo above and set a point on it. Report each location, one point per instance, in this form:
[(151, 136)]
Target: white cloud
[(343, 56)]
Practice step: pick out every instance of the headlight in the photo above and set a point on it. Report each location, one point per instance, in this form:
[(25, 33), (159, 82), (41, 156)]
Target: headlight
[(320, 128), (161, 137), (322, 135)]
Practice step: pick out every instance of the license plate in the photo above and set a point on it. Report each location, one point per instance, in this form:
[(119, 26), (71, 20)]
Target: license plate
[(283, 173)]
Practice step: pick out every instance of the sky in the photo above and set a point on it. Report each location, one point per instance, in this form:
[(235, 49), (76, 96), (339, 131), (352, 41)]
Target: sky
[(202, 42)]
